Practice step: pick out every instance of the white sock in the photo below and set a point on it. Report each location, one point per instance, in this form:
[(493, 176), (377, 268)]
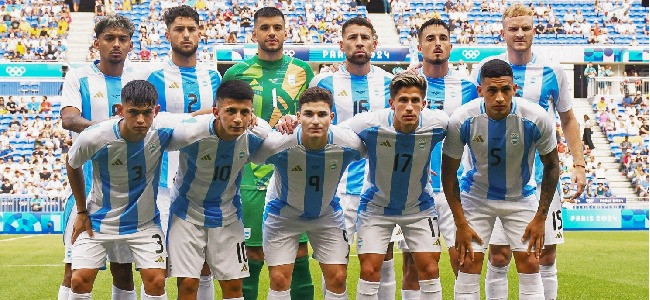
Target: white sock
[(149, 297), (549, 280), (367, 290), (120, 294), (75, 296), (279, 295), (410, 294), (64, 292), (467, 286), (430, 289), (496, 282), (334, 296), (206, 288), (387, 284), (530, 286)]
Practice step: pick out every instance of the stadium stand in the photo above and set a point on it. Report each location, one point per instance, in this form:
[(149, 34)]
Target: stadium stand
[(556, 22), (34, 30)]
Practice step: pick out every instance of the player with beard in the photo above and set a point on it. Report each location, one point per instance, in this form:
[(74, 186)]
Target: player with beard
[(277, 80), (446, 90), (183, 87), (358, 86), (91, 94), (545, 83)]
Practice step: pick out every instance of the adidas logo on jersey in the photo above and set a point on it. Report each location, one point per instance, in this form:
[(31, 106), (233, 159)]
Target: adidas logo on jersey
[(386, 143), (244, 268), (174, 85), (160, 259), (206, 157), (117, 162), (343, 93), (479, 139), (254, 82), (99, 95), (297, 169)]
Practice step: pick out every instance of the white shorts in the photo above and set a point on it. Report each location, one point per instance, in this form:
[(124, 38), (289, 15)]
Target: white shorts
[(223, 248), (147, 247), (420, 232), (350, 204), (481, 214), (554, 230), (164, 202), (446, 223), (327, 236), (119, 253)]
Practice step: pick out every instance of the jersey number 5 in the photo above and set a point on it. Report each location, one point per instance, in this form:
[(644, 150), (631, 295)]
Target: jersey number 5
[(495, 153)]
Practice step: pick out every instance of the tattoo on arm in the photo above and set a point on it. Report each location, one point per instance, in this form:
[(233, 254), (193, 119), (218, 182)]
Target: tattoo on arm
[(549, 182)]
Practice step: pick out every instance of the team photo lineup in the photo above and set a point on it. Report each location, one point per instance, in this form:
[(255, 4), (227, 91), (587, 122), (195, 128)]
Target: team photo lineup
[(178, 171)]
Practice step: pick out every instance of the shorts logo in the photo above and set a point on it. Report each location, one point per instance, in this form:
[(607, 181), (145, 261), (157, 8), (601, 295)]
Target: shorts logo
[(437, 243), (333, 165), (15, 71), (471, 54), (479, 139), (244, 268), (297, 169), (514, 138), (160, 259), (117, 162), (559, 235), (206, 157), (247, 233)]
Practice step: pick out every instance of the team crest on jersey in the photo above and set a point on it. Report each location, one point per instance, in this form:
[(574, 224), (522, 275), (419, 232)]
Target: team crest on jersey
[(422, 143), (291, 78), (514, 138), (333, 165), (152, 147)]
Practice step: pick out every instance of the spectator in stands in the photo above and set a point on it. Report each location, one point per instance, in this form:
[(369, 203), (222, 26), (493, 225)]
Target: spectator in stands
[(46, 105), (231, 39), (607, 192), (627, 100), (12, 107), (6, 152), (600, 190), (7, 187), (601, 105), (587, 130)]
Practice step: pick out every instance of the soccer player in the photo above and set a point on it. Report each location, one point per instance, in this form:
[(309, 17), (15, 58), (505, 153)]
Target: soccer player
[(503, 134), (405, 135), (92, 94), (446, 90), (308, 165), (544, 83), (277, 81), (357, 87), (206, 211), (121, 209), (183, 87)]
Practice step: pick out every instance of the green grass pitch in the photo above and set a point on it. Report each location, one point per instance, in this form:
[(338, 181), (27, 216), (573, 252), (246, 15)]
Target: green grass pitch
[(591, 265)]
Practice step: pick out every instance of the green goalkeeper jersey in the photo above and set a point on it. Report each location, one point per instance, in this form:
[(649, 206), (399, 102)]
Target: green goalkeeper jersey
[(277, 86)]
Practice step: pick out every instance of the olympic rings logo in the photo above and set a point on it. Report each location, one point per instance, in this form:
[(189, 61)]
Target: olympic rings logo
[(15, 71), (471, 54), (289, 52)]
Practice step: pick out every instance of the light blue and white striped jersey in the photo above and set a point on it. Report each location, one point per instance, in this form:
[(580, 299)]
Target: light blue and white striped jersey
[(304, 181), (352, 95), (126, 174), (95, 95), (206, 189), (404, 187), (181, 90), (502, 153), (447, 94), (541, 81)]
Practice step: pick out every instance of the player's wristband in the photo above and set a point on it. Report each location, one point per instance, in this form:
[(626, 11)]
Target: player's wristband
[(83, 212), (577, 165)]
